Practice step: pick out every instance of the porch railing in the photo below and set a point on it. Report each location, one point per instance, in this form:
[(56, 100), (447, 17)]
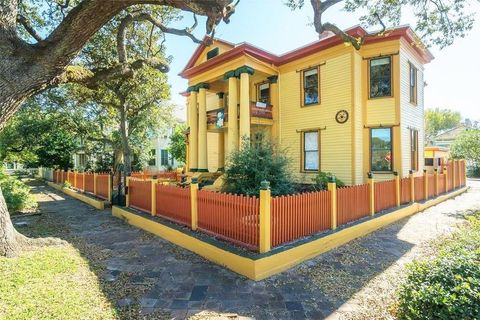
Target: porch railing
[(257, 110)]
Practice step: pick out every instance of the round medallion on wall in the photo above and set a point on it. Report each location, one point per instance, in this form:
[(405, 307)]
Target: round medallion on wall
[(341, 116)]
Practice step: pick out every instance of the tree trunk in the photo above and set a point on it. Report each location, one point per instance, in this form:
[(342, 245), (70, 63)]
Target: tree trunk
[(8, 234), (127, 153)]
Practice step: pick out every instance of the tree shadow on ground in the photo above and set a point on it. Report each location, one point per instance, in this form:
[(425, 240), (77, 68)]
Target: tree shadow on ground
[(144, 276)]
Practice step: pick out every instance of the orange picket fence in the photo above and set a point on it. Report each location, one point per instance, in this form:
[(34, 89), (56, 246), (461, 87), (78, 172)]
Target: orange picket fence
[(173, 203), (352, 203), (418, 187), (234, 218), (299, 215), (163, 175), (384, 195), (103, 186), (140, 194), (78, 180), (450, 175), (89, 182), (405, 191), (441, 183), (431, 185)]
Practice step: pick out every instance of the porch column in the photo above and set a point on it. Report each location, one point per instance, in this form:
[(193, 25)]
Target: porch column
[(221, 138), (232, 111), (245, 73), (275, 106), (193, 135), (202, 128)]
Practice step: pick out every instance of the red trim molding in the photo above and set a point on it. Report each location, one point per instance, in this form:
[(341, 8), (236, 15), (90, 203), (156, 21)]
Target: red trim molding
[(246, 48)]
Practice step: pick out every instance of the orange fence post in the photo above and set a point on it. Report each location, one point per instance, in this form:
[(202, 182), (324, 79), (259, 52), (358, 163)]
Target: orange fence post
[(332, 187), (154, 196), (453, 174), (445, 171), (425, 184), (412, 186), (265, 217), (83, 182), (397, 188), (435, 172), (464, 172), (194, 202), (371, 189), (74, 178), (95, 183), (109, 188)]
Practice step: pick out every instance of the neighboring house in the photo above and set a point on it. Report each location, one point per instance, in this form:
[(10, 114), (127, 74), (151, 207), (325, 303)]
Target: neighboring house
[(334, 108), (447, 138), (161, 159)]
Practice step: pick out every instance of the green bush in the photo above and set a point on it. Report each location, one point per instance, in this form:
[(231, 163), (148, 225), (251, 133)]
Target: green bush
[(252, 164), (321, 181), (17, 195), (447, 287)]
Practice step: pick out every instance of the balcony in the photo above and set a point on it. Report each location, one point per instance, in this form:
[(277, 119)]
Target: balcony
[(217, 117)]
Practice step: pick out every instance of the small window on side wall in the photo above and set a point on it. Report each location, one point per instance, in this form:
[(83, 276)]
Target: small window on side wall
[(381, 151), (380, 74), (413, 84), (212, 53), (310, 90), (311, 151)]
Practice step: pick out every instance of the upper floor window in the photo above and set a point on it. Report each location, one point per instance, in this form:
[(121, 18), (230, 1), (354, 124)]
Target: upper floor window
[(311, 151), (263, 93), (381, 152), (414, 149), (310, 87), (413, 84), (380, 77)]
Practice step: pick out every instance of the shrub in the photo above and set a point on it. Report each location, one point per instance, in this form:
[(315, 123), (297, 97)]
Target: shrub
[(321, 181), (447, 287), (252, 164), (17, 195)]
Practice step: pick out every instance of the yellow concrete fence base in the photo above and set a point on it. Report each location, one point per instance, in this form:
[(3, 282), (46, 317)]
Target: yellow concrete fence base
[(265, 265), (96, 203)]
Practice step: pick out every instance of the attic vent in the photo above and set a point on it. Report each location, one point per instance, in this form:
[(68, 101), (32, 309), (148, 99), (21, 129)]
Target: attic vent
[(212, 53)]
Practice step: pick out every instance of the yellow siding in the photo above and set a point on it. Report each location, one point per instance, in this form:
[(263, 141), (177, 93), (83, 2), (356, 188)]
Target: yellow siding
[(357, 119), (335, 95), (212, 147), (411, 116)]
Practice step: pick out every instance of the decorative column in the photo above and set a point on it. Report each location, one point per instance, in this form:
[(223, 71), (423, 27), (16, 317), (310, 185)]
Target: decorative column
[(332, 187), (265, 217), (193, 123), (275, 107), (221, 138), (202, 127), (244, 73), (232, 111), (371, 193)]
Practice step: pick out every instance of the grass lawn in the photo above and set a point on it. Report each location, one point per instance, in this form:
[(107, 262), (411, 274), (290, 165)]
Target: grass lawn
[(51, 283)]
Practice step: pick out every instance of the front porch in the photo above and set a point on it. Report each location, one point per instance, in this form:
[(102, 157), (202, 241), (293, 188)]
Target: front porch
[(248, 95)]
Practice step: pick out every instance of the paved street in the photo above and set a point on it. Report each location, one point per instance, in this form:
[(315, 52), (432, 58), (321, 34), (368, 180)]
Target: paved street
[(161, 280)]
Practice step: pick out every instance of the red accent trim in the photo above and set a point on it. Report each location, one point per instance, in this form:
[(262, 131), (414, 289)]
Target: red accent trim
[(246, 48)]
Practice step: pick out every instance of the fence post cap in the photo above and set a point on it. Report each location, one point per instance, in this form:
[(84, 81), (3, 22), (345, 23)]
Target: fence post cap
[(444, 168), (194, 180), (435, 169), (332, 179), (264, 185), (424, 170), (410, 171), (370, 175), (395, 173)]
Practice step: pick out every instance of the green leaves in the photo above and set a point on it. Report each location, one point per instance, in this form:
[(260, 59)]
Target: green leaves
[(467, 146), (437, 120)]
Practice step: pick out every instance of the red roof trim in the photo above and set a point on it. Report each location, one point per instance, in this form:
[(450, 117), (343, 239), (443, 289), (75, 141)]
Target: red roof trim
[(307, 50)]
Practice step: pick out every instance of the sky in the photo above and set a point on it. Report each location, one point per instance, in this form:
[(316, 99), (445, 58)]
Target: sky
[(452, 78)]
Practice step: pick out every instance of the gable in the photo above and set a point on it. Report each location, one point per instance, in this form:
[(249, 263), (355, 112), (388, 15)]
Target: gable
[(202, 51)]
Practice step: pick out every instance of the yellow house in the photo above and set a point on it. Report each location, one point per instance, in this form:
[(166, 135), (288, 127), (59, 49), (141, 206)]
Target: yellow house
[(335, 109), (435, 158)]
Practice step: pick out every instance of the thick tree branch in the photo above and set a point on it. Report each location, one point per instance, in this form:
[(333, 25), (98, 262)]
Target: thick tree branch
[(29, 28)]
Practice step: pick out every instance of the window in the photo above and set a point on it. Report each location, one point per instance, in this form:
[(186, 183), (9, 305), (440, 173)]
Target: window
[(413, 84), (414, 149), (212, 53), (429, 162), (311, 155), (381, 149), (263, 93), (380, 77), (310, 87), (164, 157), (152, 159)]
